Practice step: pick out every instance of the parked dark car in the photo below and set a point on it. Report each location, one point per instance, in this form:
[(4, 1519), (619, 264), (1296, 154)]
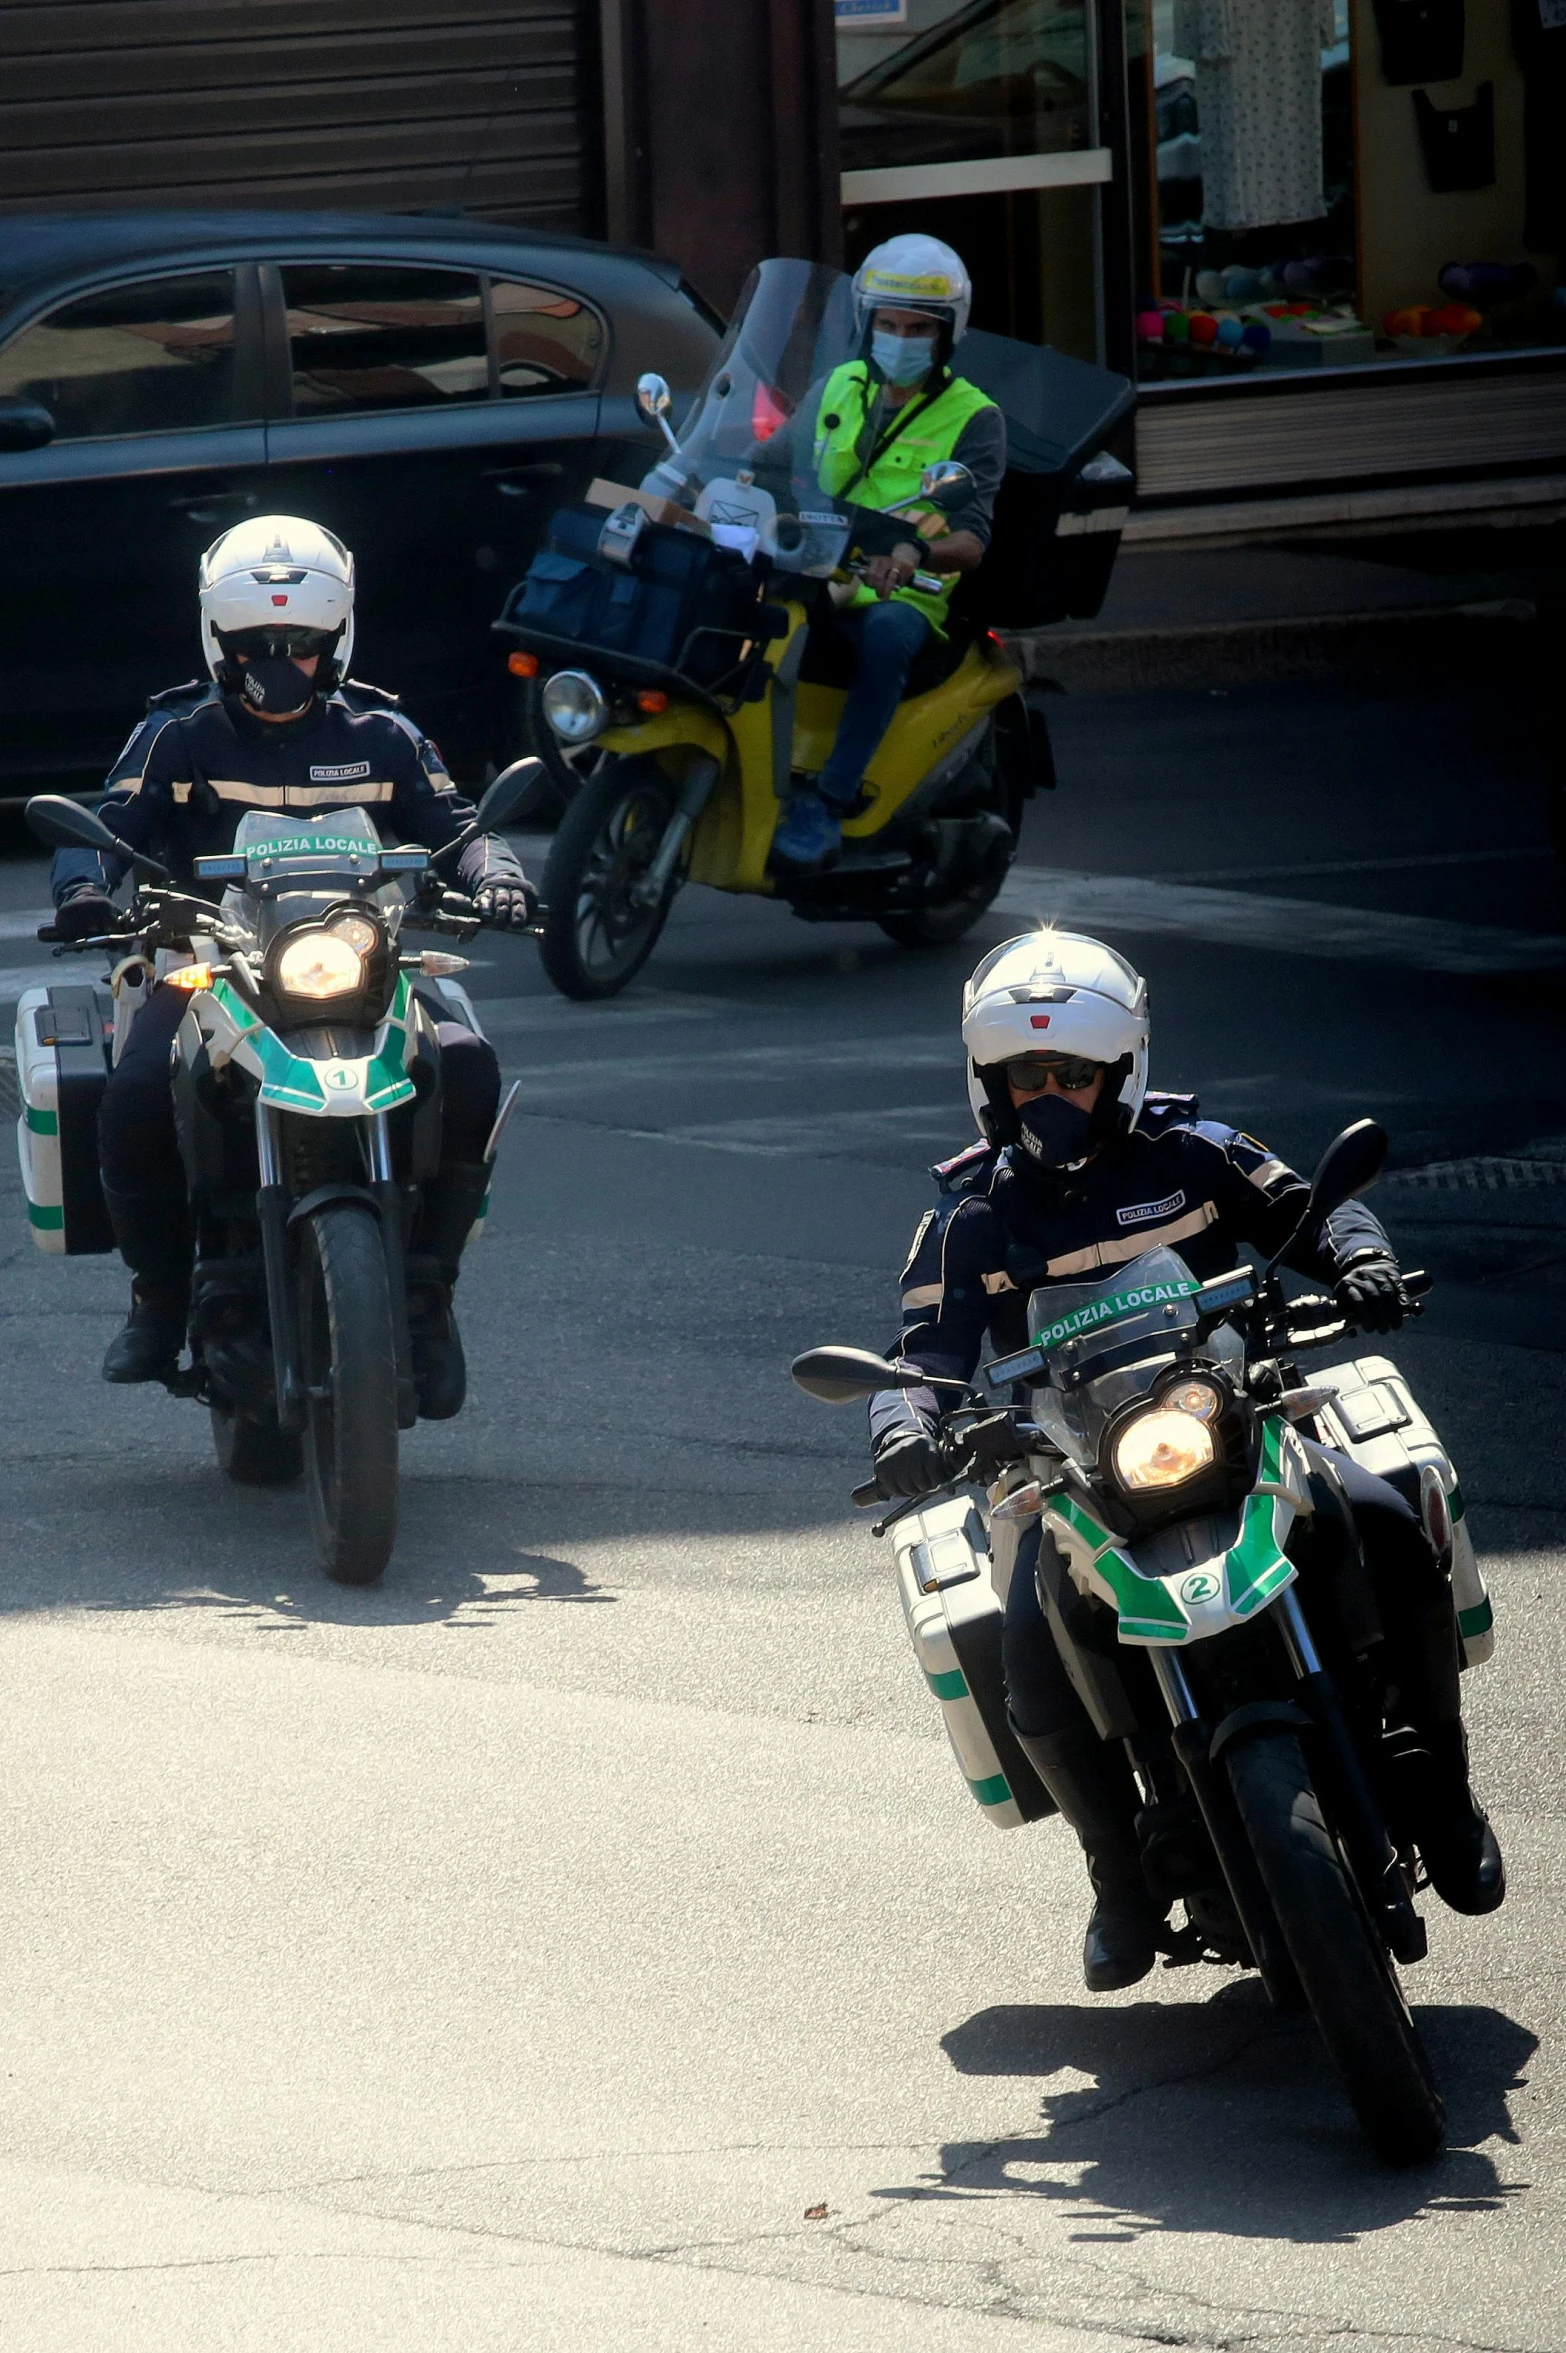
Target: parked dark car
[(428, 388)]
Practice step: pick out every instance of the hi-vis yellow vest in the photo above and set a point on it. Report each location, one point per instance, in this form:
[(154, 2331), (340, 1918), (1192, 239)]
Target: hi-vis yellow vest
[(931, 434)]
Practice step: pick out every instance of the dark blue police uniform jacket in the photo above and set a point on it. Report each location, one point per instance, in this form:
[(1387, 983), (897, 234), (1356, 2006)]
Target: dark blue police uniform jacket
[(1000, 1231)]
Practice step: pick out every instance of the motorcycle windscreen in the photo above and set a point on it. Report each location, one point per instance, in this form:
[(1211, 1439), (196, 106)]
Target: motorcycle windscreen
[(1105, 1342)]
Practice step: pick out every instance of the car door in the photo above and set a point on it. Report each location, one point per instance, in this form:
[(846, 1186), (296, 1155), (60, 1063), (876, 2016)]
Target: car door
[(433, 417), (154, 387)]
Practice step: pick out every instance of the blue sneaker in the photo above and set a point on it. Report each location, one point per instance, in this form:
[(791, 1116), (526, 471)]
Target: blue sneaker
[(810, 832)]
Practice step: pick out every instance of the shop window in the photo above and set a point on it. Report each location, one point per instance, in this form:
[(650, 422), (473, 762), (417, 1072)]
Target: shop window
[(156, 357), (362, 336), (545, 341), (1336, 183), (955, 81)]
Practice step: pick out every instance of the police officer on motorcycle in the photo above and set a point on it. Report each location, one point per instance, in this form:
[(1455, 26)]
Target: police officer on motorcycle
[(280, 727), (1081, 1168), (877, 423)]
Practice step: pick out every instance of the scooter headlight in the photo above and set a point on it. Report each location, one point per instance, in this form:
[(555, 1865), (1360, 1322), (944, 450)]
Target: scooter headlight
[(575, 706), (320, 965), (1163, 1448)]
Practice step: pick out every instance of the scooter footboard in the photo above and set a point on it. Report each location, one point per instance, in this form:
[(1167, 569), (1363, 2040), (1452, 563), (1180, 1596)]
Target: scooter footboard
[(954, 1616)]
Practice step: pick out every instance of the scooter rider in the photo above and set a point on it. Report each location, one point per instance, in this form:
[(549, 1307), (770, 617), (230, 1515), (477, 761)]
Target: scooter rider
[(880, 420), (1083, 1169), (277, 729)]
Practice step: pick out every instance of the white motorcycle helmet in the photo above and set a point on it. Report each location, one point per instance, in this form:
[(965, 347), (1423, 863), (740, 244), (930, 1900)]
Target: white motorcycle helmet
[(280, 584), (915, 273), (1055, 992)]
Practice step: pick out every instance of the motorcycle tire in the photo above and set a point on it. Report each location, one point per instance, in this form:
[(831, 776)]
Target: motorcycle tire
[(349, 1362), (1350, 1984), (950, 919), (595, 938), (255, 1453)]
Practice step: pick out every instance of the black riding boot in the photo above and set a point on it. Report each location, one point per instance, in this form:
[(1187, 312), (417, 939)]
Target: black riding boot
[(453, 1201), (153, 1234), (1091, 1782), (1459, 1847)]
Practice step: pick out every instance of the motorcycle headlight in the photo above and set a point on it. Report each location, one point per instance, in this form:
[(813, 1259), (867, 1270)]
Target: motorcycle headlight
[(575, 706), (318, 965), (1162, 1448)]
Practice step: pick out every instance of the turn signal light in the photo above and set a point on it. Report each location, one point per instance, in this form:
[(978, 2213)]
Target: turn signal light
[(651, 701), (190, 976), (522, 665)]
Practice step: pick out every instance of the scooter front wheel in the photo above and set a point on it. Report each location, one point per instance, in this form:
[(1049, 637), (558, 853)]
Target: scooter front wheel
[(599, 932)]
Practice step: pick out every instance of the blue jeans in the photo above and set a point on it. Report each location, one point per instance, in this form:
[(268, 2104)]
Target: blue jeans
[(888, 637)]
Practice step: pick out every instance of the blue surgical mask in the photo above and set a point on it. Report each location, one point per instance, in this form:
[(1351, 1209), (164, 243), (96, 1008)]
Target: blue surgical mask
[(903, 359)]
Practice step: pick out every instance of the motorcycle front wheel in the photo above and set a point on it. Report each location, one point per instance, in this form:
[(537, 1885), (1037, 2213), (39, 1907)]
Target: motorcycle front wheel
[(1349, 1982), (348, 1358), (596, 934)]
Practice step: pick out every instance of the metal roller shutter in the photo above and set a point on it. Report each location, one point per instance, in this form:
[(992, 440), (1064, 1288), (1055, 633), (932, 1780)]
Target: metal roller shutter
[(1339, 434), (373, 104)]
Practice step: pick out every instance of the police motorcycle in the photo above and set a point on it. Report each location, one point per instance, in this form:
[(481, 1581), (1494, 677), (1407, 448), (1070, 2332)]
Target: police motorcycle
[(666, 629), (309, 1025), (1164, 1455)]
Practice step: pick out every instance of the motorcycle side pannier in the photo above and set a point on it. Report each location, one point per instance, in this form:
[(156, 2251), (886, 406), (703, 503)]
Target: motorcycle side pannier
[(63, 1038), (954, 1613), (1374, 1417)]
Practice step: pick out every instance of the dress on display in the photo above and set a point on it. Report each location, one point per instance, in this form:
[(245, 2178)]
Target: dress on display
[(1258, 95)]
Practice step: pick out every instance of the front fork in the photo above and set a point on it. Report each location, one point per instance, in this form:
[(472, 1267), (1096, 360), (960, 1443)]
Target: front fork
[(274, 1212), (695, 793)]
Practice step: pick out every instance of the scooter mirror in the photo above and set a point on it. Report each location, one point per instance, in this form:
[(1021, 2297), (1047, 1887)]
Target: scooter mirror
[(947, 483), (653, 397), (838, 1375), (509, 793)]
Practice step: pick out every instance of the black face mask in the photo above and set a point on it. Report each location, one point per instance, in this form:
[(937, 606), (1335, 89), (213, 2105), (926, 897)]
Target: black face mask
[(1053, 1132), (276, 686)]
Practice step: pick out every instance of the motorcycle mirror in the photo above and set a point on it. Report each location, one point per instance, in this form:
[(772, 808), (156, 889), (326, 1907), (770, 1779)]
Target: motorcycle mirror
[(838, 1375), (1350, 1164), (947, 483), (507, 794), (65, 825)]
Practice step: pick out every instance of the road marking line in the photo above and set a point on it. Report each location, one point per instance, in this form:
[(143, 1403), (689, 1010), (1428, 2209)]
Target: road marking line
[(1286, 927)]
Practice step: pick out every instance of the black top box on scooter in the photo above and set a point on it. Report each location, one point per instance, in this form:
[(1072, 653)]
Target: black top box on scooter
[(1068, 484), (679, 601)]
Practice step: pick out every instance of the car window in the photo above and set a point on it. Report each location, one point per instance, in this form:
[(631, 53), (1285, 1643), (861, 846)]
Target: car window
[(545, 341), (154, 357), (362, 335)]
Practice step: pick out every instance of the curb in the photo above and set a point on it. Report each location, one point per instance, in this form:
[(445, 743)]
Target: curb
[(1500, 639)]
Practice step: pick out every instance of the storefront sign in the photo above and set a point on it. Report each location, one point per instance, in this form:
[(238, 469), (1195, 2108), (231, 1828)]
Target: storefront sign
[(872, 16)]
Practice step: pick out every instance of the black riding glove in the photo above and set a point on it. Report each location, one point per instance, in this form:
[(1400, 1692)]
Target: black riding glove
[(84, 915), (909, 1463), (506, 905), (1371, 1295)]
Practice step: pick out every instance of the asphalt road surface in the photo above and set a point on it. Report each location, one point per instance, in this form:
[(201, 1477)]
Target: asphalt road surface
[(586, 1939)]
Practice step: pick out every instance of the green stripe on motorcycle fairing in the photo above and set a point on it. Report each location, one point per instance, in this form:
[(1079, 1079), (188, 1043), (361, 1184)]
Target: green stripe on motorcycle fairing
[(950, 1684), (48, 1221), (386, 1082), (42, 1123), (1142, 1603), (1478, 1620), (994, 1792), (1255, 1567)]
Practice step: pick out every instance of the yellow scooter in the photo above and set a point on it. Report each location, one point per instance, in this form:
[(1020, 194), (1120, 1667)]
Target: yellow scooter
[(669, 628)]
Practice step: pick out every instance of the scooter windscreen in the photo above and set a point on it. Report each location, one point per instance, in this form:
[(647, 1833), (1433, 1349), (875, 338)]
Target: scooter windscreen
[(746, 456)]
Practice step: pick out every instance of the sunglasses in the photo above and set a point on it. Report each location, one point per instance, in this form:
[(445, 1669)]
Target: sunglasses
[(1029, 1073), (259, 645)]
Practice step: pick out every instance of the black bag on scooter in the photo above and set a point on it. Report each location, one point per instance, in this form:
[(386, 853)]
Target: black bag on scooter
[(680, 602)]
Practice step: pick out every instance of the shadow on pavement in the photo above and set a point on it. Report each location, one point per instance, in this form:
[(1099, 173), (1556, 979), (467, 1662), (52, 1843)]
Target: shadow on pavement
[(1220, 2116)]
